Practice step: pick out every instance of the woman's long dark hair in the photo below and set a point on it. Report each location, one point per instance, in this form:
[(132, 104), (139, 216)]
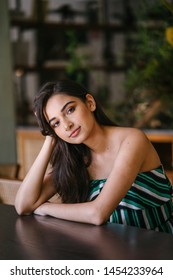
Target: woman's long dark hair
[(69, 161)]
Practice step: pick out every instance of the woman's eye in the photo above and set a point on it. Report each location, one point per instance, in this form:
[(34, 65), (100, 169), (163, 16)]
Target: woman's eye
[(56, 124), (70, 110)]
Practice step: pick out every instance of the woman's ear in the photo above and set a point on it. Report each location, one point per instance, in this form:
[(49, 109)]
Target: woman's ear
[(90, 101)]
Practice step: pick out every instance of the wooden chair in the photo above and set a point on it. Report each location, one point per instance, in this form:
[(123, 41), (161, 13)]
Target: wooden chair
[(9, 171), (8, 190)]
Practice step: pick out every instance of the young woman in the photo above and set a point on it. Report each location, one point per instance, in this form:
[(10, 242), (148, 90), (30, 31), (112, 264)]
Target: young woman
[(102, 172)]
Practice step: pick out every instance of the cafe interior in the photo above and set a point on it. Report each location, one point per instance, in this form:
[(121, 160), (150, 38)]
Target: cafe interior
[(122, 51)]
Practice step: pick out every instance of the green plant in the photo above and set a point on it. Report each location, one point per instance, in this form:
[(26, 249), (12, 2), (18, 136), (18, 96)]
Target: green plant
[(76, 62), (149, 82)]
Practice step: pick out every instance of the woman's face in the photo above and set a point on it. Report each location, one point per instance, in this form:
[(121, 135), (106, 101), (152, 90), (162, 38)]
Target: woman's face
[(71, 119)]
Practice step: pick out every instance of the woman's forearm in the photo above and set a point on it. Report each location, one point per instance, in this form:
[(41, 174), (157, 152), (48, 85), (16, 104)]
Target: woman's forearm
[(31, 187), (86, 212)]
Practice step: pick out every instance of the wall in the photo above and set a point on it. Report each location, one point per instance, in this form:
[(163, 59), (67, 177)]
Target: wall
[(7, 115)]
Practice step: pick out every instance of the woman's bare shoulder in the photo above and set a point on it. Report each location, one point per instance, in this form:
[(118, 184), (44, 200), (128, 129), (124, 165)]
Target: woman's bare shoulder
[(124, 133), (137, 145), (132, 143)]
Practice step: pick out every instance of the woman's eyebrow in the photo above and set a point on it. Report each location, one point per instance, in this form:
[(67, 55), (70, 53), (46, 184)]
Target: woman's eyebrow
[(51, 120), (63, 108)]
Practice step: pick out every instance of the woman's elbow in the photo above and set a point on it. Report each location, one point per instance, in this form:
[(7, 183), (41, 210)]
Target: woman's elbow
[(21, 209), (99, 221), (98, 218), (22, 212)]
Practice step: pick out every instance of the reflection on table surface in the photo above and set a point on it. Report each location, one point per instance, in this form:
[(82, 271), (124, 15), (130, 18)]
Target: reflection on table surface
[(37, 237)]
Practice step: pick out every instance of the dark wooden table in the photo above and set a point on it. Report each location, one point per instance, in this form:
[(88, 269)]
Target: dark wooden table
[(35, 237)]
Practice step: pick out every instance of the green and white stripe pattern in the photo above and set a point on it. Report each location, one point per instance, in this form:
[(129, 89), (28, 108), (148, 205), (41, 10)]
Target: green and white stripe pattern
[(148, 203)]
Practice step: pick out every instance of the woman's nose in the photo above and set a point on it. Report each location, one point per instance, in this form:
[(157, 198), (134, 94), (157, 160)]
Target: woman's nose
[(68, 125)]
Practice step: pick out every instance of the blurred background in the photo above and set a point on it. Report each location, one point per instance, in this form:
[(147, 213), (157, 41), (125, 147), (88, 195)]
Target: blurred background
[(120, 50)]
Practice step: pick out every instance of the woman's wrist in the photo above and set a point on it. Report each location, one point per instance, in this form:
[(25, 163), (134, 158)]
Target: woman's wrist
[(50, 141)]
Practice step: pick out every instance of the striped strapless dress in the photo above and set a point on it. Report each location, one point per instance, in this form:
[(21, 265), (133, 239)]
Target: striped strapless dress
[(147, 204)]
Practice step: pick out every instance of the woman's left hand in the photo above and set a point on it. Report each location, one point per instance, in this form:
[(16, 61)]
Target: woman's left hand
[(41, 209)]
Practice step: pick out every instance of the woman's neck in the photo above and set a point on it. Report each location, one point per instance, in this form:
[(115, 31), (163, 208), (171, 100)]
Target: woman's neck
[(99, 141)]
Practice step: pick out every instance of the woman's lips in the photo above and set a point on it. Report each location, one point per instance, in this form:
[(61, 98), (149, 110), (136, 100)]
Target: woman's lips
[(75, 132)]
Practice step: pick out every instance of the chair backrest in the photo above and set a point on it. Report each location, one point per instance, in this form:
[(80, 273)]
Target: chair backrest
[(8, 190), (9, 171)]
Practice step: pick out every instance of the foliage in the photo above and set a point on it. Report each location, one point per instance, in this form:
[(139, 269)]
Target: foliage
[(76, 61), (149, 78)]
